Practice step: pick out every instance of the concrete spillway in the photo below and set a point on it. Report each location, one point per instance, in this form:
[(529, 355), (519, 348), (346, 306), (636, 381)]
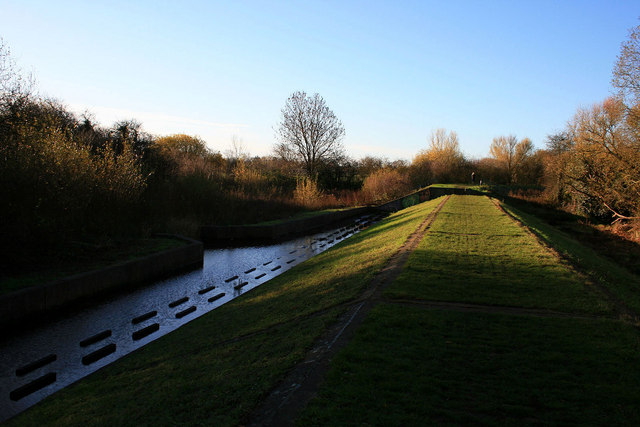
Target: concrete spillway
[(44, 360)]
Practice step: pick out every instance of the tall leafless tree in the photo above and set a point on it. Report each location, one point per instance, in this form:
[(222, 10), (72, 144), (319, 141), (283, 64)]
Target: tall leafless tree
[(626, 72), (511, 153), (308, 131)]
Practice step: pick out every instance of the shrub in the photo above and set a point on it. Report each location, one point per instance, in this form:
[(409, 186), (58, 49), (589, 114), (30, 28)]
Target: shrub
[(307, 194), (384, 185)]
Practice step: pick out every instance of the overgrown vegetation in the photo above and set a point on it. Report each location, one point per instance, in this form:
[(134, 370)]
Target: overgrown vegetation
[(68, 184)]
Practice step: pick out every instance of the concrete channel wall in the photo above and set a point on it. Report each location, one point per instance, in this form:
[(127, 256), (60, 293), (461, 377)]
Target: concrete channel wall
[(213, 234), (422, 195), (36, 302)]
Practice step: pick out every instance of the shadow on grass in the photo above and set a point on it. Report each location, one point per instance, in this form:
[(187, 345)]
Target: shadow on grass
[(411, 366), (496, 280)]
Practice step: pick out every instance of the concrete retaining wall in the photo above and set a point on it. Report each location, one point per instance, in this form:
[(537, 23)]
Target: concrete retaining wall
[(35, 302), (422, 195), (213, 234)]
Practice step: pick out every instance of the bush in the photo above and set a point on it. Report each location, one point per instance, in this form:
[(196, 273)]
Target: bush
[(384, 185), (55, 189), (307, 194)]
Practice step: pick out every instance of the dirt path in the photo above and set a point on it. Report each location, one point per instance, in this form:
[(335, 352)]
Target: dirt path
[(286, 401)]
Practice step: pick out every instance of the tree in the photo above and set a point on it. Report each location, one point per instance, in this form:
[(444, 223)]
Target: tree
[(626, 72), (13, 84), (511, 154), (309, 131), (183, 144), (185, 154), (129, 133), (556, 159), (605, 162), (236, 151), (385, 184), (441, 162)]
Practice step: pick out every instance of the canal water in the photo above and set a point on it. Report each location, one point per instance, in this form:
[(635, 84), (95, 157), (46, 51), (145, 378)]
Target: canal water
[(43, 361)]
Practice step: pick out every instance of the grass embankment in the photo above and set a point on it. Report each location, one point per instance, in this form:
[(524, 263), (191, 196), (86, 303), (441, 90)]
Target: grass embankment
[(452, 185), (475, 253), (622, 283), (413, 364), (86, 258), (217, 368)]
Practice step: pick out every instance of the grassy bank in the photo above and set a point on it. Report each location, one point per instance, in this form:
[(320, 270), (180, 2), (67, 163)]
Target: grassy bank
[(413, 363), (301, 215), (622, 283), (415, 366), (410, 363), (215, 369), (476, 254)]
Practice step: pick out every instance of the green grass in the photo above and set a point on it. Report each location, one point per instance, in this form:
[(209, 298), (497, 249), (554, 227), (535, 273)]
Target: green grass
[(474, 253), (623, 284), (411, 366), (215, 369), (414, 365), (81, 259), (451, 185)]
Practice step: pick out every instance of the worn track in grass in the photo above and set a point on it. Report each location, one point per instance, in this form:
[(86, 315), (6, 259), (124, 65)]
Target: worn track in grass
[(287, 399)]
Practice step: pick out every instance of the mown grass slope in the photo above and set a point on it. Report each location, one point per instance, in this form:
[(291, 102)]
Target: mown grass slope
[(416, 363), (413, 366), (475, 253)]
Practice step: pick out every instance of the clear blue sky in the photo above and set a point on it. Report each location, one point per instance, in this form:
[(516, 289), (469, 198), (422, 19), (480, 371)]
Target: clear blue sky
[(392, 71)]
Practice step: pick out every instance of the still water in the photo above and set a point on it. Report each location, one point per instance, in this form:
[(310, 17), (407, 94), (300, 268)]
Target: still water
[(42, 361)]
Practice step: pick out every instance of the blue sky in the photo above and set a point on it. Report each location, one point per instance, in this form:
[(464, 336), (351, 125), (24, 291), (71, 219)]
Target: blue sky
[(392, 71)]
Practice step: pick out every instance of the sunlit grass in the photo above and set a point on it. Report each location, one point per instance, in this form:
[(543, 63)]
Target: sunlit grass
[(623, 284), (474, 253), (414, 365)]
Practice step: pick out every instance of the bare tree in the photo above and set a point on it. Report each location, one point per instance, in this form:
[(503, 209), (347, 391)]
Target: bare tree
[(511, 153), (441, 162), (308, 131), (13, 83), (237, 150), (626, 72)]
